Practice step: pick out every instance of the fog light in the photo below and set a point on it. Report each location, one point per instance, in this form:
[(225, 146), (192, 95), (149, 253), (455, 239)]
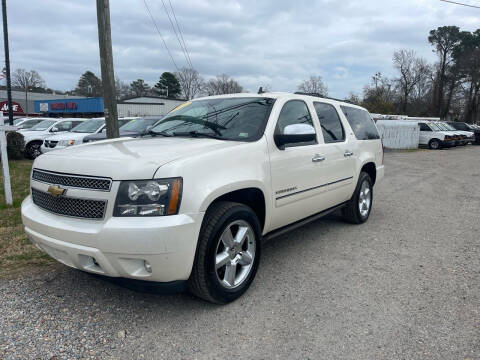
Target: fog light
[(147, 266)]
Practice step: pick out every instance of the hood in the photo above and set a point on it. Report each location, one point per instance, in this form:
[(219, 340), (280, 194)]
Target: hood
[(67, 136), (30, 135), (126, 158)]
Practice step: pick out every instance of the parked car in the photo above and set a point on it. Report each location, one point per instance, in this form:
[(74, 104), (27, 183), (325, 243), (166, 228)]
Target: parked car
[(74, 136), (27, 123), (35, 136), (132, 128), (433, 136), (190, 204), (458, 137), (467, 136), (468, 127)]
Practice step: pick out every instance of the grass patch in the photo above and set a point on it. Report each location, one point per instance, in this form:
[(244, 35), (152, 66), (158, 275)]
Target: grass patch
[(17, 254)]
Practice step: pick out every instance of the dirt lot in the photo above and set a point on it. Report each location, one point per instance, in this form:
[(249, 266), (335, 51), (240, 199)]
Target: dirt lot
[(405, 285)]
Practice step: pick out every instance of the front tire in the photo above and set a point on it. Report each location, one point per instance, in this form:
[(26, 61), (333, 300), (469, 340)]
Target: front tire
[(32, 150), (359, 206), (434, 144), (228, 253)]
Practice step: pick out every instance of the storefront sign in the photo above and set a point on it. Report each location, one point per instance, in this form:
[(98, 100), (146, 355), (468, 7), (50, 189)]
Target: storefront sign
[(17, 109), (63, 106)]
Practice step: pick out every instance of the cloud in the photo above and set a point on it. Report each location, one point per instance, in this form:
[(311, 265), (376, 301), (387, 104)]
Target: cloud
[(278, 43)]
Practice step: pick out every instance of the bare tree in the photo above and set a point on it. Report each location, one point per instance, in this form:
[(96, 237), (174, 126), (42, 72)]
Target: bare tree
[(190, 81), (27, 80), (24, 79), (222, 84), (314, 85), (121, 89), (412, 71)]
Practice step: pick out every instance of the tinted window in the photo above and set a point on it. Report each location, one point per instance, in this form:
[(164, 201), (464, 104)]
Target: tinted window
[(332, 128), (460, 126), (240, 119), (361, 123), (424, 127), (294, 112)]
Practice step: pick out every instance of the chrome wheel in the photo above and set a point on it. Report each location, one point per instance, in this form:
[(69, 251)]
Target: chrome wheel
[(365, 198), (235, 253)]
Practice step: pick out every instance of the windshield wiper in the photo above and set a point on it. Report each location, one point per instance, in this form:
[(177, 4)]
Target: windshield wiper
[(197, 134), (161, 133)]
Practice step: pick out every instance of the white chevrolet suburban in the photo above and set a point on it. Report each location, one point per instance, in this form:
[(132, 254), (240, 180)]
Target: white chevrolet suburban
[(189, 203)]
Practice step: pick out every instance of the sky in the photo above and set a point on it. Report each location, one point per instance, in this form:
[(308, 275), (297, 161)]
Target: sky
[(271, 43)]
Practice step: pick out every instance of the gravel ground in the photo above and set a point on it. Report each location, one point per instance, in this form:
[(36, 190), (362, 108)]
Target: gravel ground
[(405, 285)]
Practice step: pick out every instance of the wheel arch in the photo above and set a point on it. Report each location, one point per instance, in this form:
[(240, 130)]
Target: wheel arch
[(371, 169), (251, 196)]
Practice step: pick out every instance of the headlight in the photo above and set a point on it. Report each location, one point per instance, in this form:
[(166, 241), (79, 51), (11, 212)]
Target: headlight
[(66, 142), (148, 197)]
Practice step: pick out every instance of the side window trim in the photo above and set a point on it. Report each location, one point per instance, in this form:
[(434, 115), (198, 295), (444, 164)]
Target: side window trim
[(339, 119)]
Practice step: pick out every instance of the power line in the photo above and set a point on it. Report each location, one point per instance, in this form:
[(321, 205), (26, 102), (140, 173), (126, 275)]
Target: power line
[(160, 34), (462, 4), (177, 35), (181, 35)]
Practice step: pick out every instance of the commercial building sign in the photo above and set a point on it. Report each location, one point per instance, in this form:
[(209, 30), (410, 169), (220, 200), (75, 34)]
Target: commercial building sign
[(17, 109), (63, 106)]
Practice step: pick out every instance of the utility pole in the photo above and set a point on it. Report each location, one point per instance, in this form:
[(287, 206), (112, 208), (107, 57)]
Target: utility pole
[(7, 62), (106, 62)]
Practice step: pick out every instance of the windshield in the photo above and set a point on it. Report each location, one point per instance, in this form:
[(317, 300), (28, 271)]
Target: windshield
[(89, 126), (28, 124), (449, 127), (435, 127), (44, 125), (442, 126), (16, 121), (138, 125), (240, 119)]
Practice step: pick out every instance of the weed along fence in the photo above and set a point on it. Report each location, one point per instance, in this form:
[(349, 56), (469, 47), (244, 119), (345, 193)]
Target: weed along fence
[(398, 134)]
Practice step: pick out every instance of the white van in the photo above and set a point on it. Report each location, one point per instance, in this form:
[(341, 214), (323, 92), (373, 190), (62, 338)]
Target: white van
[(433, 136)]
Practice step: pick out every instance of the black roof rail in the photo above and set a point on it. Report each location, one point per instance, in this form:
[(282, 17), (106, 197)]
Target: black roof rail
[(321, 96)]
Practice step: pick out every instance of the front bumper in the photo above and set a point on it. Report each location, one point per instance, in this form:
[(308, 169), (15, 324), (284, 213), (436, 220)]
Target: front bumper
[(117, 247)]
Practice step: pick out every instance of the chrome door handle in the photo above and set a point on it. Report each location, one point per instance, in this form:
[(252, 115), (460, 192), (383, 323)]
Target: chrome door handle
[(318, 158), (348, 153)]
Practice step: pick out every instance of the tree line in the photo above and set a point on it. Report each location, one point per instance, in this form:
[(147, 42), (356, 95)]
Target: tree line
[(448, 88), (186, 84)]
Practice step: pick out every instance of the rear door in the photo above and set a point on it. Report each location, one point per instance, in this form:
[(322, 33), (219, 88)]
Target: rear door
[(336, 172)]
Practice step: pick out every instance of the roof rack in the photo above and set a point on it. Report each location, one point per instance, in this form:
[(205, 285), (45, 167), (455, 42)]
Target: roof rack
[(321, 96)]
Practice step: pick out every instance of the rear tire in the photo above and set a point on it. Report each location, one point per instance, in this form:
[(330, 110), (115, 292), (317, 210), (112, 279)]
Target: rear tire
[(228, 253), (359, 206)]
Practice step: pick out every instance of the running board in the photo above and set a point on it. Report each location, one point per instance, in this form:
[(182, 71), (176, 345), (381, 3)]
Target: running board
[(299, 223)]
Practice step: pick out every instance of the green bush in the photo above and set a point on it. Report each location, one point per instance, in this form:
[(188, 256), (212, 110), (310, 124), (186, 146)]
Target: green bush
[(15, 145)]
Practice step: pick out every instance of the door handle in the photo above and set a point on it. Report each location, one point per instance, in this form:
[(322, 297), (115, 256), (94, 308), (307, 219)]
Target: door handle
[(348, 153), (318, 158)]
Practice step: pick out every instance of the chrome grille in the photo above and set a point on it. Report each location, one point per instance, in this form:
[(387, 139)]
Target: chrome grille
[(69, 206), (82, 182)]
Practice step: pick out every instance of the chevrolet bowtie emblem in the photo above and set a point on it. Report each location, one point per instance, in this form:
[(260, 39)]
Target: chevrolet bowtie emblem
[(56, 190)]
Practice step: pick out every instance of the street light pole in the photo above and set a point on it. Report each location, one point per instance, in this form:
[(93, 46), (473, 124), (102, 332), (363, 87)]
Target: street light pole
[(7, 62), (106, 62)]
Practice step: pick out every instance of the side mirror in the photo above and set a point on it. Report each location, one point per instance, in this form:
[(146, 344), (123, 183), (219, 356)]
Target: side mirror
[(54, 129), (295, 133), (104, 130)]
